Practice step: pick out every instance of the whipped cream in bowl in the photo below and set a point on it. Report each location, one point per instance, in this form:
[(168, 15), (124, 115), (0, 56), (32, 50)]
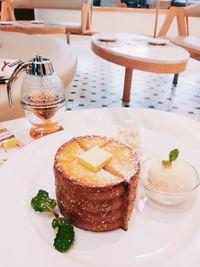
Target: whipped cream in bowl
[(169, 183)]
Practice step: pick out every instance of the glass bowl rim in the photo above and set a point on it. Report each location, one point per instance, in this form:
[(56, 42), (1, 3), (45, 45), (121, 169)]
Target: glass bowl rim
[(170, 194)]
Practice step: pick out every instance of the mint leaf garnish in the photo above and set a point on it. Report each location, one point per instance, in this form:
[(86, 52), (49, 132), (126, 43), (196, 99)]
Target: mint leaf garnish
[(166, 163), (65, 235), (173, 155), (41, 202), (65, 231)]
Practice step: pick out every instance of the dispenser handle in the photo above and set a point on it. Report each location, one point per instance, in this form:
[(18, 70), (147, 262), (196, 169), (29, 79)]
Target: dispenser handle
[(20, 67)]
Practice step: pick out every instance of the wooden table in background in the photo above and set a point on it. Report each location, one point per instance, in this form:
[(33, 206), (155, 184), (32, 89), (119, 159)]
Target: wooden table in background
[(135, 52), (31, 27)]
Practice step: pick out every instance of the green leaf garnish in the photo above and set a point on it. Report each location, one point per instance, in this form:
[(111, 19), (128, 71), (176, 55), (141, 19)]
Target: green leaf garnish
[(41, 202), (173, 155), (65, 234), (65, 231), (166, 163)]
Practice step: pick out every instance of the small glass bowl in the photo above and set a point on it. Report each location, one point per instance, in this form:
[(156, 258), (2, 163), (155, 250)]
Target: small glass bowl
[(162, 197)]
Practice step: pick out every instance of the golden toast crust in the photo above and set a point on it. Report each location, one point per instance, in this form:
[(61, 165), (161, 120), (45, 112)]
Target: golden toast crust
[(100, 201)]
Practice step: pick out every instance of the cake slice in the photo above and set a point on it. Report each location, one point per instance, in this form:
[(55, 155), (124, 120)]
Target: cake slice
[(96, 200)]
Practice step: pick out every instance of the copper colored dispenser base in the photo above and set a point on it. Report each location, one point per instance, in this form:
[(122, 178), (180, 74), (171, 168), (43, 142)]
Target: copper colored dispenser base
[(37, 133)]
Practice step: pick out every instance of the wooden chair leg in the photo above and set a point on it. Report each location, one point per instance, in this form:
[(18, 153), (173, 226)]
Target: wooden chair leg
[(7, 12), (86, 13), (181, 22), (167, 22), (88, 21), (68, 35), (180, 17), (175, 79)]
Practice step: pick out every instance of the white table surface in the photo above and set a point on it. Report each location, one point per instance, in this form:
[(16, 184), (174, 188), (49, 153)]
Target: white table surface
[(184, 129), (137, 47), (135, 52)]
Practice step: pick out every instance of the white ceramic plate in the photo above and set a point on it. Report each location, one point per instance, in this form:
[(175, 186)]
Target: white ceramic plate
[(107, 37), (158, 41), (155, 237)]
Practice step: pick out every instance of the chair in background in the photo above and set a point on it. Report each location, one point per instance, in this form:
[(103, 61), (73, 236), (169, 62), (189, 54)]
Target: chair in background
[(190, 43), (161, 4), (158, 4), (85, 7), (6, 11)]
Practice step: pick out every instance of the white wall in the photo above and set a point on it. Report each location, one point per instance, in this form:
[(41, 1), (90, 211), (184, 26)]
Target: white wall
[(107, 21)]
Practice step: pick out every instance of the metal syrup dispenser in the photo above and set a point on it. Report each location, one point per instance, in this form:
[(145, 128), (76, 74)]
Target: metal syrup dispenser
[(42, 94)]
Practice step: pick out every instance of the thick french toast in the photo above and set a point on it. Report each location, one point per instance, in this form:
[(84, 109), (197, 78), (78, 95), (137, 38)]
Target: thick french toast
[(96, 200)]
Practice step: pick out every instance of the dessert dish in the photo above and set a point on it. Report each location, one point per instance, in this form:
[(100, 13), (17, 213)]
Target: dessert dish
[(9, 144), (169, 181), (93, 194), (177, 178)]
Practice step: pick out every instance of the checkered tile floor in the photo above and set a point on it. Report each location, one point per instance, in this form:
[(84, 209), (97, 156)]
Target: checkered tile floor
[(99, 83)]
